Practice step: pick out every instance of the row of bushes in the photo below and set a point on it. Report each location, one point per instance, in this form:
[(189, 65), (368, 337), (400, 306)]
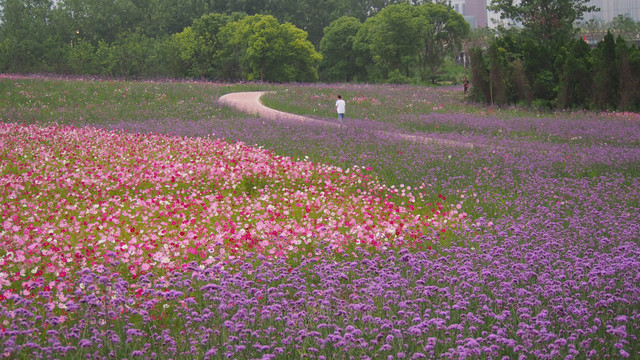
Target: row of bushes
[(241, 53), (401, 43), (577, 76)]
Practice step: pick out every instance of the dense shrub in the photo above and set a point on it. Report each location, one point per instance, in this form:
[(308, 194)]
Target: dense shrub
[(576, 76)]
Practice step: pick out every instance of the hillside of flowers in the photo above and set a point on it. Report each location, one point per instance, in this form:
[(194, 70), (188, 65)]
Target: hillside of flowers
[(145, 220)]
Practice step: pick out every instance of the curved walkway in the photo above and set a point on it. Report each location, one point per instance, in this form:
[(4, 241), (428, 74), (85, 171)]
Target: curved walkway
[(249, 102)]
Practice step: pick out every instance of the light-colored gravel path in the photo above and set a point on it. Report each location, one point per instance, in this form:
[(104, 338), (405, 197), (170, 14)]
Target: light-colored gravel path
[(249, 102)]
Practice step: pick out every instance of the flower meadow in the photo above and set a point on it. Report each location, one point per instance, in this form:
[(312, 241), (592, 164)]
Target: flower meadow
[(146, 220)]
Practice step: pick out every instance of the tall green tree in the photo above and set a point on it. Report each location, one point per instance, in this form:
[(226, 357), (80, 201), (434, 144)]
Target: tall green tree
[(311, 16), (100, 20), (592, 26), (338, 54), (206, 32), (301, 59), (396, 38), (263, 49), (498, 74), (624, 26), (82, 58), (634, 70), (167, 17), (606, 74), (629, 75), (409, 41), (178, 54), (575, 83), (130, 55), (25, 33), (480, 89), (522, 89), (443, 30), (363, 53)]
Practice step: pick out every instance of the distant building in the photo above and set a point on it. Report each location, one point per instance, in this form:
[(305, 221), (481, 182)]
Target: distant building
[(609, 9), (474, 11), (477, 15), (478, 10)]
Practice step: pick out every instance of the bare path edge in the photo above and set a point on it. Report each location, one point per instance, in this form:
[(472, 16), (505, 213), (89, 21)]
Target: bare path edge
[(249, 102)]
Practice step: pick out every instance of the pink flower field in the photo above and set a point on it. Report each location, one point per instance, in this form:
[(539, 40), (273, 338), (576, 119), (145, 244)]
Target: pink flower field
[(129, 231), (78, 198)]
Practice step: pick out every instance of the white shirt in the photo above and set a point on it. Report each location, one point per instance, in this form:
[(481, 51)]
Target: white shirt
[(340, 106)]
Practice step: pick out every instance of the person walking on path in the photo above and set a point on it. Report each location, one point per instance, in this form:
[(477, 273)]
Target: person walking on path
[(340, 107), (466, 86)]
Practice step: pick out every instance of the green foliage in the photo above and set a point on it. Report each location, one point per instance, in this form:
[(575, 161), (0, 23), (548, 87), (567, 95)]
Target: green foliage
[(337, 49), (549, 23), (184, 38), (4, 55), (170, 16), (130, 55), (606, 74), (396, 77), (575, 83), (414, 40), (629, 75), (452, 72), (544, 85), (25, 33), (522, 71), (301, 59), (395, 39), (206, 33), (259, 48), (98, 20), (522, 93), (191, 54), (480, 90), (539, 68), (176, 52), (83, 58), (547, 27), (498, 74), (625, 27), (443, 30), (362, 49), (634, 66)]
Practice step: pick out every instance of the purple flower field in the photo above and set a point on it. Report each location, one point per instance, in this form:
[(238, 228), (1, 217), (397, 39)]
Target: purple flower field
[(547, 265)]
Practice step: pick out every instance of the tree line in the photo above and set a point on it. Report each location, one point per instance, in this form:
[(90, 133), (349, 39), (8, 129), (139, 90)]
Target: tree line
[(536, 57), (278, 40), (543, 63)]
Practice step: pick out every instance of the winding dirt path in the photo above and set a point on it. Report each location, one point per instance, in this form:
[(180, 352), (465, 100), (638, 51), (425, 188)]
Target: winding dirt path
[(249, 102)]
